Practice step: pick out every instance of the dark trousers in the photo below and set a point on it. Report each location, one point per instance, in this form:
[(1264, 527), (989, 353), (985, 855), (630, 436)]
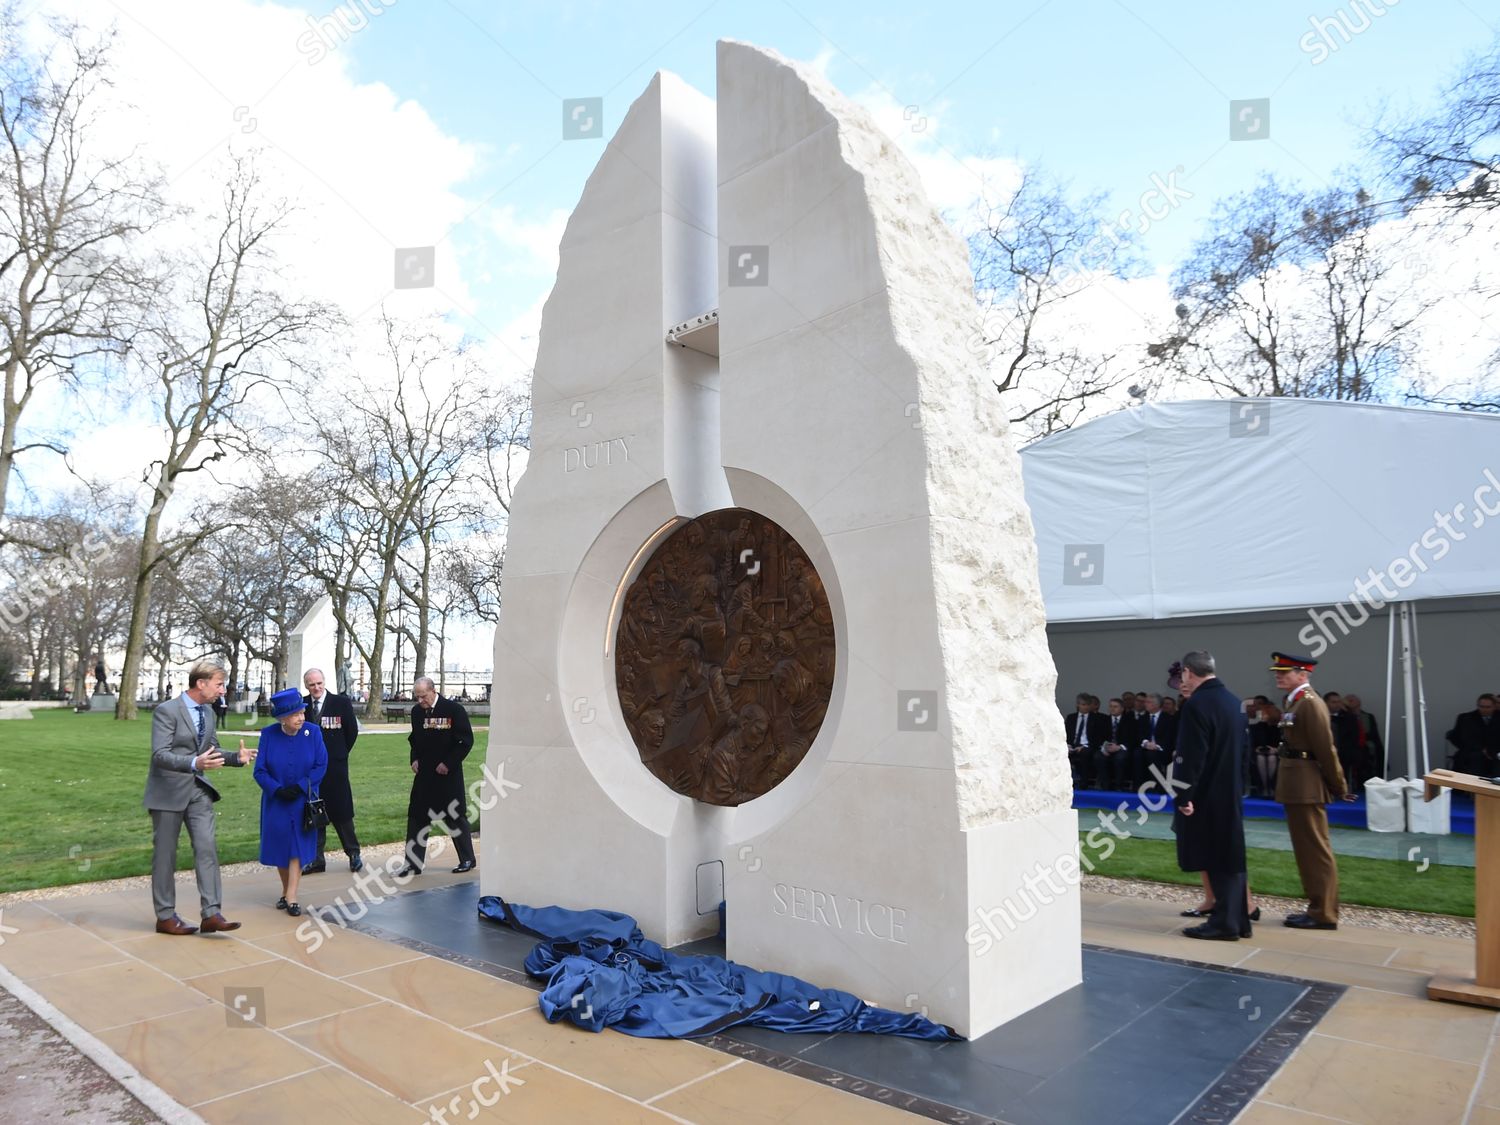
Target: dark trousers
[(1355, 762), (1229, 914), (1112, 770), (347, 839), (1263, 779), (419, 820)]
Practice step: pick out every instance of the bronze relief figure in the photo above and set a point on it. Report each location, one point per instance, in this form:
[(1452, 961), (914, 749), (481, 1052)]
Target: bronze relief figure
[(724, 657)]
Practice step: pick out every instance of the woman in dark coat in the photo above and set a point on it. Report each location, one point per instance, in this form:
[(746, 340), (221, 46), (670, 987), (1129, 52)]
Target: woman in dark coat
[(1212, 738), (291, 762)]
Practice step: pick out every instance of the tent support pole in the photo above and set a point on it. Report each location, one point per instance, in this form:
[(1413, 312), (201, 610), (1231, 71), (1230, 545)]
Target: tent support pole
[(1409, 692), (1390, 662), (1416, 649)]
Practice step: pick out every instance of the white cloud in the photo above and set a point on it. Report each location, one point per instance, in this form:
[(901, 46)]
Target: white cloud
[(953, 179)]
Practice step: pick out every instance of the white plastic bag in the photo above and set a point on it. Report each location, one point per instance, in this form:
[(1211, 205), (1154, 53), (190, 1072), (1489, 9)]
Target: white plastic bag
[(1427, 816), (1385, 805)]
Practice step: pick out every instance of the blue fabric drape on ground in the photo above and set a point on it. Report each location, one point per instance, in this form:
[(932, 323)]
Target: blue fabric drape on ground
[(600, 971)]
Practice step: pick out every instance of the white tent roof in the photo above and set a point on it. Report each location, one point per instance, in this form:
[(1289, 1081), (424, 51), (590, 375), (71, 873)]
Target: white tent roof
[(1181, 508)]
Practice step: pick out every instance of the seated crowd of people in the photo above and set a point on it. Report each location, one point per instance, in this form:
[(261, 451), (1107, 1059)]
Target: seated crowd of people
[(1117, 749), (1475, 739)]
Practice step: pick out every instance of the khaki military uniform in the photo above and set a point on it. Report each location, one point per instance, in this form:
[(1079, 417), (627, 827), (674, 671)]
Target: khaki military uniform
[(1308, 777)]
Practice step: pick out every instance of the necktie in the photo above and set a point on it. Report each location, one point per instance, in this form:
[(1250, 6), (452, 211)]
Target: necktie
[(198, 713), (312, 711), (1114, 729), (1153, 725)]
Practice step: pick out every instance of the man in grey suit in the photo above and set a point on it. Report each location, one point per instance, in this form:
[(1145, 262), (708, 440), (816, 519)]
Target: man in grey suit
[(183, 746)]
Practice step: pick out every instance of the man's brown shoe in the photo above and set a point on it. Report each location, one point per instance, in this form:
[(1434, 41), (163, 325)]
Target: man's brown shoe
[(218, 924), (175, 925)]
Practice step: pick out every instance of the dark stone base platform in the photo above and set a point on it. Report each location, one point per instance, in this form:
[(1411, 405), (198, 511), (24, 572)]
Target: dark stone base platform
[(1143, 1041)]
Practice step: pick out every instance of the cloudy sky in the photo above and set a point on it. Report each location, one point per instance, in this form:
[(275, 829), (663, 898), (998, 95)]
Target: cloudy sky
[(394, 124), (403, 123)]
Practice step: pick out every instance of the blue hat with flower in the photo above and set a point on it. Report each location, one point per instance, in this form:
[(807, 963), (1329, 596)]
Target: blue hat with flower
[(283, 703)]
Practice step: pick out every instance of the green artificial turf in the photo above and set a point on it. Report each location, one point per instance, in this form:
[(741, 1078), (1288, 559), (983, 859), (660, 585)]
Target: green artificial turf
[(1365, 882), (71, 786)]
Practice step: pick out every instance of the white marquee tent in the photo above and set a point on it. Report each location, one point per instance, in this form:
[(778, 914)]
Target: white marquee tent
[(1303, 518)]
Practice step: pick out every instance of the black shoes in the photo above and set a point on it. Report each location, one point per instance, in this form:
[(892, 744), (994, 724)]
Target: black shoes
[(316, 867), (281, 903), (356, 863), (1307, 922), (408, 871), (293, 909), (466, 865), (1255, 915), (1206, 932), (1197, 912)]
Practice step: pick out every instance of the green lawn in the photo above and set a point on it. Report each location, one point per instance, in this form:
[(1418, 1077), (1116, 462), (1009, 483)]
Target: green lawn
[(70, 807), (71, 785), (1365, 882)]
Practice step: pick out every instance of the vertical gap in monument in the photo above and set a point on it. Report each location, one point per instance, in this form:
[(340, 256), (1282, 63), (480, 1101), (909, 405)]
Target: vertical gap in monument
[(690, 293), (690, 406)]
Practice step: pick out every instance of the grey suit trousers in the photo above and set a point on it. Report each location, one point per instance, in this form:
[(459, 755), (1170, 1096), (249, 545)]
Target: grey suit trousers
[(166, 829)]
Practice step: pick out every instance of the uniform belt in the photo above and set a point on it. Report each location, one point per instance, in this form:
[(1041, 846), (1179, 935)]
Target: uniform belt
[(1288, 752)]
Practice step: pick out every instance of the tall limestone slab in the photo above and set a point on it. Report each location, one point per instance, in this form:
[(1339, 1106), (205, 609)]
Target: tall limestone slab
[(923, 854), (855, 415)]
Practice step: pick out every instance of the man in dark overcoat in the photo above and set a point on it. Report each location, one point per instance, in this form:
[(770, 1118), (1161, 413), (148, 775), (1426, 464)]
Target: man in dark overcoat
[(441, 738), (333, 714), (1209, 764)]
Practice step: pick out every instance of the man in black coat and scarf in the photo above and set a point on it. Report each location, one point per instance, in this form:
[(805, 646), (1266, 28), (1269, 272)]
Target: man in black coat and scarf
[(441, 738), (1209, 766), (334, 715)]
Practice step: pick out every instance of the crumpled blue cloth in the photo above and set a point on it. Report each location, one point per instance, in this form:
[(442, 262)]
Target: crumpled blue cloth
[(602, 972)]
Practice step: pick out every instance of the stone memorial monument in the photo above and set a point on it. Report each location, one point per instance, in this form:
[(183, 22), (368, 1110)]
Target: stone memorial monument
[(311, 643), (772, 632)]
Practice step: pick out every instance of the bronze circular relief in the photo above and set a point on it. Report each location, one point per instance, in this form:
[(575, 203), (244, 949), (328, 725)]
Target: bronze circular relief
[(724, 657)]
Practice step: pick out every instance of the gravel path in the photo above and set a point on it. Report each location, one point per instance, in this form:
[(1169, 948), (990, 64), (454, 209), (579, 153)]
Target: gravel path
[(1403, 921), (48, 1079)]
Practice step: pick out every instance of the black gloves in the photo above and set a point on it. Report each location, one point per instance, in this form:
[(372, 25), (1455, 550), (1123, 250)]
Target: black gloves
[(287, 793)]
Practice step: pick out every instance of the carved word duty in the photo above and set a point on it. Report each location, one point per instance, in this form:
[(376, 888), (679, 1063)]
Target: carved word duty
[(725, 656)]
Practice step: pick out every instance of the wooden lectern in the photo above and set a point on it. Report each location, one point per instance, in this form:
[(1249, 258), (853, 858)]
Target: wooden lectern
[(1484, 989)]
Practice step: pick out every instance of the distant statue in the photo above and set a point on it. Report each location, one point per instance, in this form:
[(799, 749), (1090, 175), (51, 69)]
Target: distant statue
[(346, 679), (99, 674)]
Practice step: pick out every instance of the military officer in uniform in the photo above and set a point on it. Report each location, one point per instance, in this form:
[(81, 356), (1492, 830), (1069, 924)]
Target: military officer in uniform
[(441, 738), (334, 715), (1308, 778)]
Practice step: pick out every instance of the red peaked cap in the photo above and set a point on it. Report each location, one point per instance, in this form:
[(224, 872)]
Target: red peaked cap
[(1284, 662)]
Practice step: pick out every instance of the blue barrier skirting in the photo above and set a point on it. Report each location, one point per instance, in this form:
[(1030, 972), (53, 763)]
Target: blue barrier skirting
[(1341, 814)]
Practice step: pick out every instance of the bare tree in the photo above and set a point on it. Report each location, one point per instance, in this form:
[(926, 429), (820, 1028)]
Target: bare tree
[(220, 323), (1032, 260), (393, 463), (1448, 156), (1293, 294), (67, 217), (473, 575), (68, 589)]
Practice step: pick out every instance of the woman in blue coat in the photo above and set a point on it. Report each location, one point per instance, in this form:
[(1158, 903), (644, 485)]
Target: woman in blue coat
[(291, 762)]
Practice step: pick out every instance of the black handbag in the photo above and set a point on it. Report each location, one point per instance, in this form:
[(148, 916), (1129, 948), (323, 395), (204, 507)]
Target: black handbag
[(314, 813)]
